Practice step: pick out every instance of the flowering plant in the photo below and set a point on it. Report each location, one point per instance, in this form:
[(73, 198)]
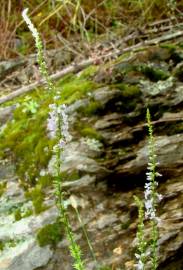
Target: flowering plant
[(151, 197), (58, 128)]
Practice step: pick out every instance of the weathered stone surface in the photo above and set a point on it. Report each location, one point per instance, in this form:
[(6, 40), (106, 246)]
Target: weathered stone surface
[(108, 121), (6, 170), (81, 184), (21, 250), (6, 67), (77, 156), (6, 114), (106, 94), (169, 152), (27, 256)]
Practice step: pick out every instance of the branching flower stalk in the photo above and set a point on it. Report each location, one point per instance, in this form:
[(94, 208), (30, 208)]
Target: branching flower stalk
[(58, 129)]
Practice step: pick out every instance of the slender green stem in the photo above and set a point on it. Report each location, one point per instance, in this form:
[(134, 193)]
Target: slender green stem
[(86, 235)]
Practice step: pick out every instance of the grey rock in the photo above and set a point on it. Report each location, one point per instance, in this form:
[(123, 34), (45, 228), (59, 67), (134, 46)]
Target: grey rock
[(26, 256), (77, 105), (169, 151), (108, 121), (76, 158), (79, 185), (6, 114), (154, 88), (27, 226), (7, 67), (105, 94), (106, 220)]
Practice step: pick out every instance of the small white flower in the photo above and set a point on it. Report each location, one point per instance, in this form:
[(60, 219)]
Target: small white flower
[(159, 197), (140, 265), (158, 174), (42, 173), (61, 144), (82, 167), (52, 121), (137, 255)]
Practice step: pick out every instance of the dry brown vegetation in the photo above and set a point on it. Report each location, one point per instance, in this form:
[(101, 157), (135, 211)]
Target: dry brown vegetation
[(62, 21)]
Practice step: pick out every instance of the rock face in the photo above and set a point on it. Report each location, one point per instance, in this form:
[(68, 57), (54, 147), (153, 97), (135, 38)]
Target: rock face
[(109, 211), (28, 256), (105, 163), (21, 250)]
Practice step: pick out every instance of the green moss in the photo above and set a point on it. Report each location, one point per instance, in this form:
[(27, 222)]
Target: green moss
[(2, 188), (170, 46), (1, 245), (50, 234), (104, 268), (91, 133), (122, 68), (69, 176), (125, 226), (17, 215), (22, 212), (129, 91), (91, 109), (25, 137), (8, 243), (75, 89), (121, 58), (36, 194), (153, 73), (39, 206), (45, 181), (89, 72), (130, 95), (27, 213)]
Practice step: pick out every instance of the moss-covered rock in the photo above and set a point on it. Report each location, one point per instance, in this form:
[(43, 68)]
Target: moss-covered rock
[(25, 137), (152, 72)]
